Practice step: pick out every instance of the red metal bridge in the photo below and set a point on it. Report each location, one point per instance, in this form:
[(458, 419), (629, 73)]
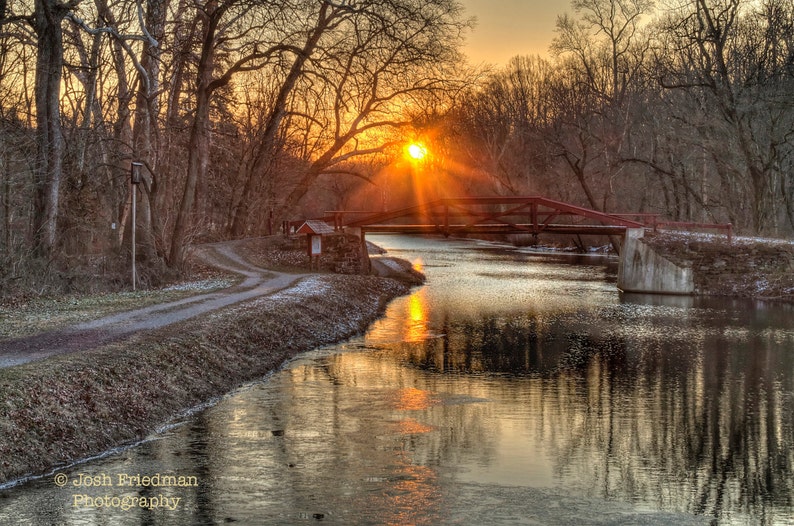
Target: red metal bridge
[(502, 215)]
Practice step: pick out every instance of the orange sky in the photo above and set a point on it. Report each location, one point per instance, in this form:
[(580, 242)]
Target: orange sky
[(506, 28)]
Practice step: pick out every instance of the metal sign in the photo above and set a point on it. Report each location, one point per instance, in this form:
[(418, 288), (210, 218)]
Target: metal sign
[(317, 245), (135, 172)]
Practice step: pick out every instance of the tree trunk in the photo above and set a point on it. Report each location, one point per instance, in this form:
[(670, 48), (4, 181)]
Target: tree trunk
[(145, 132), (198, 147), (49, 163), (267, 151)]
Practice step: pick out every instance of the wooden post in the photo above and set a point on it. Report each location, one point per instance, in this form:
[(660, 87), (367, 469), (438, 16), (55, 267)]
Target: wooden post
[(135, 180), (134, 192)]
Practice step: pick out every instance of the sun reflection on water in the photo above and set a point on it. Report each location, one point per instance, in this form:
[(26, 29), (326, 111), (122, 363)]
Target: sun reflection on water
[(413, 399), (416, 323)]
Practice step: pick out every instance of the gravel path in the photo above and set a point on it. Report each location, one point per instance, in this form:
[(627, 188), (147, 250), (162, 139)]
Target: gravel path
[(257, 282)]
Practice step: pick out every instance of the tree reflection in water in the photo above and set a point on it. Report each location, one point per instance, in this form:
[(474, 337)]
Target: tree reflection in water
[(680, 415)]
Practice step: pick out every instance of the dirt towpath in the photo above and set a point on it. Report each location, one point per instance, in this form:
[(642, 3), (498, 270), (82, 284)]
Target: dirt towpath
[(257, 282)]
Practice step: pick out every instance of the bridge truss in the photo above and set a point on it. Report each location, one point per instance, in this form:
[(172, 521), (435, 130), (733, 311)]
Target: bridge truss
[(488, 215)]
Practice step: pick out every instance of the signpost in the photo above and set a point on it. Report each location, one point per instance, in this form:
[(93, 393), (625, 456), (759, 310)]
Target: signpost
[(135, 180), (317, 245), (315, 229)]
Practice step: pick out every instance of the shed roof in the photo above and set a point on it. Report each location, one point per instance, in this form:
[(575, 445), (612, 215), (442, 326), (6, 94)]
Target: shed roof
[(315, 226)]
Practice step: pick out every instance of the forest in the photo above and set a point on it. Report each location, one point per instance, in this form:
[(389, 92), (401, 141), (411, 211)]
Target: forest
[(241, 114)]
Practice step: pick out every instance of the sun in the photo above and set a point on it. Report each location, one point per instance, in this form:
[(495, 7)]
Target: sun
[(417, 151)]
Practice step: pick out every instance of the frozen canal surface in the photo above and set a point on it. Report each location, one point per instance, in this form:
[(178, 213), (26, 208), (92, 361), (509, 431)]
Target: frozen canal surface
[(513, 388)]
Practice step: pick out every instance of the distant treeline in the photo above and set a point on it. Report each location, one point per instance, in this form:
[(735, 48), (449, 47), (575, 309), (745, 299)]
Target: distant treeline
[(245, 113)]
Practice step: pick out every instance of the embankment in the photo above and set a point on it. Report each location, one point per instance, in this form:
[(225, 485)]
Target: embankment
[(56, 411), (743, 268)]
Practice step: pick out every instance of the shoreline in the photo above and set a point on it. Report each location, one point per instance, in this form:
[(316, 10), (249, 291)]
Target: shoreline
[(73, 407)]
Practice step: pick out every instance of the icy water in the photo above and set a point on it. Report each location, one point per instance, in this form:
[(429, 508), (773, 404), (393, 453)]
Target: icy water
[(513, 388)]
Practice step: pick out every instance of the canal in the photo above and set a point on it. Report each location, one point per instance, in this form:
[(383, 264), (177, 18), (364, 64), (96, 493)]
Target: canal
[(513, 388)]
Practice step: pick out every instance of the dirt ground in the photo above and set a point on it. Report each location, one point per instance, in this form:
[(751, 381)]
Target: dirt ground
[(255, 282)]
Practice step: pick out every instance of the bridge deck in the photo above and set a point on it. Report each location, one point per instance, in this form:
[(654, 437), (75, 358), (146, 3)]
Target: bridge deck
[(495, 229), (501, 215)]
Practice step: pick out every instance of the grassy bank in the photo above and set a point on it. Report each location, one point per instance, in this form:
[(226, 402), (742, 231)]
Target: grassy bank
[(65, 408)]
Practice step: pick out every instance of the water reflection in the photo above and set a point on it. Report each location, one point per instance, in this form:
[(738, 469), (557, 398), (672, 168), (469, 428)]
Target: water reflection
[(682, 410), (505, 391), (416, 328)]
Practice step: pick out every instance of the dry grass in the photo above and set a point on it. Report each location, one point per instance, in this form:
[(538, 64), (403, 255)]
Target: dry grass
[(26, 314), (69, 407), (279, 253)]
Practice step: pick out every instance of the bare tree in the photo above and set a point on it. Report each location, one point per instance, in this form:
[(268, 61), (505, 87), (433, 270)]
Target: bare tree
[(220, 20), (358, 71), (731, 59), (326, 19), (47, 18), (603, 54), (396, 56), (505, 121), (146, 132), (604, 41)]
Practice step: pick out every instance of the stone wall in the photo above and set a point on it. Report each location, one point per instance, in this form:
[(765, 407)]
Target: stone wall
[(643, 269), (341, 253)]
